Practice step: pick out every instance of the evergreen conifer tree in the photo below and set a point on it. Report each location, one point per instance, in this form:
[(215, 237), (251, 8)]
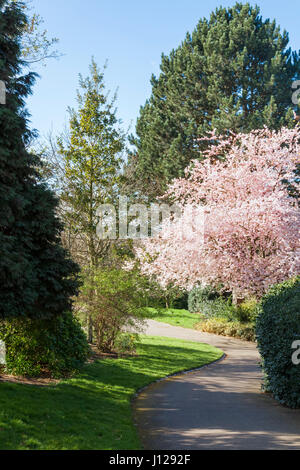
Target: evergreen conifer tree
[(234, 72), (37, 278)]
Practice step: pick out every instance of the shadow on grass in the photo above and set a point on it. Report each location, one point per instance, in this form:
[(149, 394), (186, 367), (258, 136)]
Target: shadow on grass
[(92, 410)]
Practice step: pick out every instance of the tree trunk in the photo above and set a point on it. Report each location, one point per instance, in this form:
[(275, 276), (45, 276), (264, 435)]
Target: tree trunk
[(90, 329), (237, 299)]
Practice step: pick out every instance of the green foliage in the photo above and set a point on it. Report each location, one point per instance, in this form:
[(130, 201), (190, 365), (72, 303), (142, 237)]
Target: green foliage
[(234, 71), (211, 304), (181, 302), (36, 46), (225, 327), (37, 278), (165, 297), (200, 298), (91, 161), (247, 311), (278, 326), (126, 343), (220, 316), (36, 348), (116, 304)]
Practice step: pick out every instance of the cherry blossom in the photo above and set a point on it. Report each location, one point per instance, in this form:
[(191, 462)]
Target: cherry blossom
[(251, 222)]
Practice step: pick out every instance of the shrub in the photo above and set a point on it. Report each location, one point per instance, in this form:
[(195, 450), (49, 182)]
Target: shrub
[(224, 327), (114, 299), (126, 343), (278, 326), (34, 348), (211, 304), (206, 300), (246, 312)]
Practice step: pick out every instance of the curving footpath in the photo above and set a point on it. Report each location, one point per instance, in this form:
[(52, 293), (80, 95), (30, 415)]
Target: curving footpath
[(218, 407)]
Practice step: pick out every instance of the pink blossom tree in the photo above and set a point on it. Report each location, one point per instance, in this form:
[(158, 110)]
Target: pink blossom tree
[(251, 222)]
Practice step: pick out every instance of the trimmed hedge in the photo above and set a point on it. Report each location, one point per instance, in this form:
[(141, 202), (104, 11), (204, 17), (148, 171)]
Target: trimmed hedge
[(52, 348), (278, 326)]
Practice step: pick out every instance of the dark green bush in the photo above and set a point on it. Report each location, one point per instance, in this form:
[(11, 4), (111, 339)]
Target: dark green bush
[(181, 302), (35, 348), (278, 326)]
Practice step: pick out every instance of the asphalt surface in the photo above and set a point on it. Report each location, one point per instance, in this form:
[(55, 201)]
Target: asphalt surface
[(218, 407)]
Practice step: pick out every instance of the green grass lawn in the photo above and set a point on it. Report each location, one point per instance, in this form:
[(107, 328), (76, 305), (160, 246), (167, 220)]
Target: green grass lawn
[(175, 317), (93, 409)]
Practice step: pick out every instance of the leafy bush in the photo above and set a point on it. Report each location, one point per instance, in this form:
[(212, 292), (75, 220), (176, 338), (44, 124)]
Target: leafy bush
[(224, 327), (56, 347), (127, 342), (209, 302), (246, 312), (278, 326), (114, 300)]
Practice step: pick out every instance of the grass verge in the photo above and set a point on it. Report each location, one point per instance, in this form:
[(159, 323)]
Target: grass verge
[(175, 317), (93, 409), (217, 325)]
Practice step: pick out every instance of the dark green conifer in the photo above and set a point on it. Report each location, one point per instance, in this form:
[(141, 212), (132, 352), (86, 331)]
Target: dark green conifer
[(234, 71), (37, 278)]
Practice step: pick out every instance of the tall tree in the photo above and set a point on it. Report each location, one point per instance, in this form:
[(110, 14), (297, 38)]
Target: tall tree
[(234, 71), (90, 162), (37, 278), (90, 159)]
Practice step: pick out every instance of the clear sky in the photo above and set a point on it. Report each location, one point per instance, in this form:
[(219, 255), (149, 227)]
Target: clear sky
[(131, 34)]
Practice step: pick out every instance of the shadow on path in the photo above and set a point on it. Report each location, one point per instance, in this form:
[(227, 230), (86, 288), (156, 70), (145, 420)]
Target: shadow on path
[(218, 407)]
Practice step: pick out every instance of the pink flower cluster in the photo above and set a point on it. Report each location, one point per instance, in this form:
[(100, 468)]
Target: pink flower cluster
[(251, 222)]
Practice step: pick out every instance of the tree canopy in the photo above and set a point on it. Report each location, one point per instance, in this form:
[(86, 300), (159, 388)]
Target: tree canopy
[(235, 71), (247, 235)]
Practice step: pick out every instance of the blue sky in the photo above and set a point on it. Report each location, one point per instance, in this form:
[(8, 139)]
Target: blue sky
[(132, 35)]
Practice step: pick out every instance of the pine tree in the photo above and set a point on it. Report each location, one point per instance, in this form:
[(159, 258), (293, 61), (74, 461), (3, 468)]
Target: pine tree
[(37, 278), (234, 72)]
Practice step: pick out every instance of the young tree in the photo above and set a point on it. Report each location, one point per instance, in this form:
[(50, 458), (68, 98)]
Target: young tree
[(251, 221), (91, 168), (37, 278), (234, 72), (117, 305)]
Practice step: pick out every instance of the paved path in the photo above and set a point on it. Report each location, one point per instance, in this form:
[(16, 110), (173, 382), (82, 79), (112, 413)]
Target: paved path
[(219, 407)]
